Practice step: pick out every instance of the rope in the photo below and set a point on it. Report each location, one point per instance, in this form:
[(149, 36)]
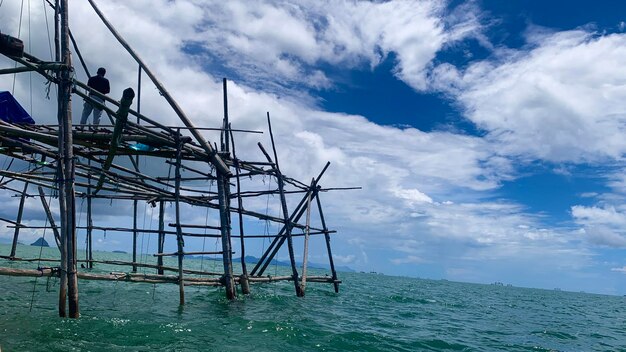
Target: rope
[(143, 234), (45, 11), (19, 33), (30, 74)]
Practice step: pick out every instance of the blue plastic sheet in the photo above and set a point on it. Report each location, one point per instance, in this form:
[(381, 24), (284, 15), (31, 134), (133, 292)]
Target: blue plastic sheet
[(11, 111)]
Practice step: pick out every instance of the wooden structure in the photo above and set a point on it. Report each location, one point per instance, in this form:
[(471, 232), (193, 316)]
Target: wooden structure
[(72, 161)]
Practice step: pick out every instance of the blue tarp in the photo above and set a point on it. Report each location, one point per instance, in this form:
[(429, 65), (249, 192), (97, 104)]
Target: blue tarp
[(11, 111)]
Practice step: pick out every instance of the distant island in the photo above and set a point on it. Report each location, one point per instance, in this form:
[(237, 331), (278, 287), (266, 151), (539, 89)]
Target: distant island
[(41, 242), (118, 251)]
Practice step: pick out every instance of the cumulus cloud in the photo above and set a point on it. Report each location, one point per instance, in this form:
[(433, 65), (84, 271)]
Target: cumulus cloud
[(561, 99), (602, 225), (279, 42), (621, 270)]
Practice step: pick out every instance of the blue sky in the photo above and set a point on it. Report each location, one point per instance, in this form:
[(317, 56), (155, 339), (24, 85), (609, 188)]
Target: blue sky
[(488, 136)]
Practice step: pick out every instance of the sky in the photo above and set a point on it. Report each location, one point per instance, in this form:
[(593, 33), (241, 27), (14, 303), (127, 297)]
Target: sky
[(487, 136)]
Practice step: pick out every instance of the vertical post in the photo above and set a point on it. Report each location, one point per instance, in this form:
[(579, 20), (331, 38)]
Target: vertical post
[(243, 279), (307, 232), (224, 197), (179, 233), (223, 191), (63, 248), (161, 240), (89, 253), (62, 209), (135, 236), (18, 225), (283, 202), (225, 124), (327, 237), (135, 233), (66, 183)]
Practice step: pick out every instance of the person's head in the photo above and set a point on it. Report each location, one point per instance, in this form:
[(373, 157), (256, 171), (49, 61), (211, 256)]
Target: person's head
[(102, 71)]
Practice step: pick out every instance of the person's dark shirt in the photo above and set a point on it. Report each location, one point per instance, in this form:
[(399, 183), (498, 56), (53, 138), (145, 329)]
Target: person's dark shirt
[(99, 83)]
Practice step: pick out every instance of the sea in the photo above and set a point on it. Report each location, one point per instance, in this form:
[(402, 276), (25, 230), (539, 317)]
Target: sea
[(372, 312)]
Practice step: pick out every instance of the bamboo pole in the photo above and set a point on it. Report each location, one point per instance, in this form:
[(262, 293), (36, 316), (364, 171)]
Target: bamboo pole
[(327, 238), (179, 236), (89, 254), (147, 278), (135, 234), (223, 190), (20, 211), (66, 195), (305, 255), (243, 279), (161, 240), (283, 203)]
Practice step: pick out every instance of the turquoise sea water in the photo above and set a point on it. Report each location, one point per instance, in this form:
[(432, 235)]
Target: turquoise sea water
[(371, 313)]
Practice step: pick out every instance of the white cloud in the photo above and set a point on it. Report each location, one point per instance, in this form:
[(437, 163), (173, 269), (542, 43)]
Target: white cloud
[(411, 259), (561, 100), (622, 269), (280, 42), (602, 225)]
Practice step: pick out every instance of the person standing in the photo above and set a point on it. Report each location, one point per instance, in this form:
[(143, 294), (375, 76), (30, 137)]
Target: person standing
[(100, 84)]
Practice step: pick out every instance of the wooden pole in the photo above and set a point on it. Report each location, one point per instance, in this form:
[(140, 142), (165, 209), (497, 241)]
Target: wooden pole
[(89, 254), (135, 233), (283, 203), (224, 196), (66, 181), (20, 211), (225, 124), (243, 279), (330, 253), (135, 203), (161, 240), (179, 234), (305, 255)]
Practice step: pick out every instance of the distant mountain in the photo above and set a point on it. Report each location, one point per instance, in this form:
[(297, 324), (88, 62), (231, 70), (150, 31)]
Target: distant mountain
[(41, 242)]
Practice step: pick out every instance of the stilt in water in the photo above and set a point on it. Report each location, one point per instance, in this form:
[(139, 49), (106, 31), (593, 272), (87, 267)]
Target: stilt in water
[(223, 190), (179, 233), (307, 231), (243, 279), (135, 233), (89, 249), (327, 237), (283, 203), (18, 221), (161, 239)]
